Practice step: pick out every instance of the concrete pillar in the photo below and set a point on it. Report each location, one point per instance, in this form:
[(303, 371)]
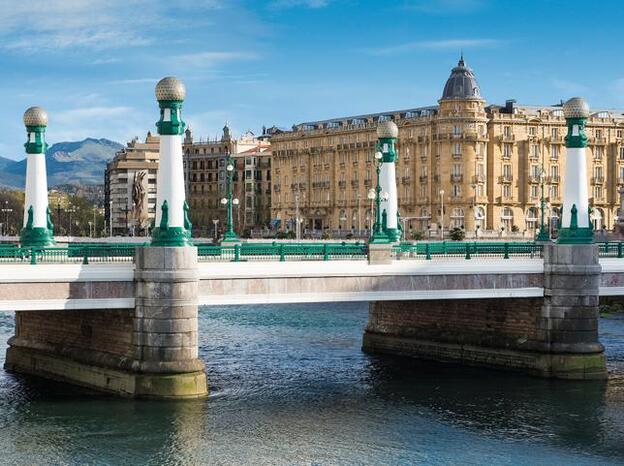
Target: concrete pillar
[(37, 228), (379, 254), (387, 133), (570, 312), (150, 351)]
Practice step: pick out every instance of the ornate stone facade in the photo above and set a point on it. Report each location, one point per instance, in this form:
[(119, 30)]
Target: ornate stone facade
[(462, 163)]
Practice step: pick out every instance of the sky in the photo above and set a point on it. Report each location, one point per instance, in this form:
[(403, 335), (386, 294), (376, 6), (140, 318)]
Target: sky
[(93, 64)]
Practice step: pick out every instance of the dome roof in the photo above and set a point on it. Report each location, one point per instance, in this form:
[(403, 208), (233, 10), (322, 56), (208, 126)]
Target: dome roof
[(387, 129), (576, 107), (170, 88), (35, 116), (462, 83)]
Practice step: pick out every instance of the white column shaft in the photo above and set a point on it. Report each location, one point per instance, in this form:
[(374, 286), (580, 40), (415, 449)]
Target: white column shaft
[(575, 187), (388, 185), (36, 190), (171, 180)]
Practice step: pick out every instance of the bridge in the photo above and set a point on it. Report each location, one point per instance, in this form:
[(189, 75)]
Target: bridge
[(123, 318), (108, 316)]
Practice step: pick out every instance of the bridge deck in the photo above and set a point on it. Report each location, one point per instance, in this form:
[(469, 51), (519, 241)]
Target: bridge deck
[(111, 286)]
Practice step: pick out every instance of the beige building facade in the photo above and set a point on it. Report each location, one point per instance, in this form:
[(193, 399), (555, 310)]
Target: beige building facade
[(462, 163), (137, 162)]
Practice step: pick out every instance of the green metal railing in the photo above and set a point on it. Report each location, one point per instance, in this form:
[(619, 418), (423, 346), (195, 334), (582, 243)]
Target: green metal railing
[(282, 252), (467, 250), (279, 251)]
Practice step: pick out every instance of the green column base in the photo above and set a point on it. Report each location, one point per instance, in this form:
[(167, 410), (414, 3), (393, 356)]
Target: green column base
[(37, 237), (114, 381), (394, 234), (230, 237), (575, 236), (173, 236)]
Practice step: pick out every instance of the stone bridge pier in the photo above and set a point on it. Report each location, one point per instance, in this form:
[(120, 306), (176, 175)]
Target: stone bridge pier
[(150, 351), (551, 336)]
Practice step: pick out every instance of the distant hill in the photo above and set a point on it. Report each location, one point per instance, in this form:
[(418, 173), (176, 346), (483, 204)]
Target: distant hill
[(77, 162)]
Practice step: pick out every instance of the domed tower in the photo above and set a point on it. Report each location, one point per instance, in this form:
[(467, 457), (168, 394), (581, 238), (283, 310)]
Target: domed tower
[(38, 229), (172, 225), (460, 146)]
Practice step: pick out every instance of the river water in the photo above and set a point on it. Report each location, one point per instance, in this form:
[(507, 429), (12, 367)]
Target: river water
[(289, 385)]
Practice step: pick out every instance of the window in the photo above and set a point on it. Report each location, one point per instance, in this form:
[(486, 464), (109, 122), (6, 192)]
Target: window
[(535, 171), (507, 218), (456, 148), (598, 192), (554, 192), (554, 132), (618, 133), (506, 131), (506, 191), (598, 133), (506, 170), (531, 218), (457, 169), (554, 151), (534, 191), (457, 217), (507, 149), (532, 130), (621, 177), (456, 190), (621, 153), (457, 130), (554, 171), (535, 150)]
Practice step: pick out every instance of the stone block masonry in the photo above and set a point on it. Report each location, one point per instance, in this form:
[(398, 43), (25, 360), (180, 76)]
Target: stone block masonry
[(554, 336), (150, 351)]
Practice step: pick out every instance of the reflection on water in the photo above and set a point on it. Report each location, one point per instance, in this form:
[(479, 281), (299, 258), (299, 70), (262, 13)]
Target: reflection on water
[(289, 385)]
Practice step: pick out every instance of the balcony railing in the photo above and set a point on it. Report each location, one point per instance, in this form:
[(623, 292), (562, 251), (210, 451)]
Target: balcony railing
[(597, 179), (505, 178), (456, 178), (423, 178)]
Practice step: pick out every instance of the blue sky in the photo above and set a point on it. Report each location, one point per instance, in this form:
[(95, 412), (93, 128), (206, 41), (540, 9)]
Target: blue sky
[(93, 64)]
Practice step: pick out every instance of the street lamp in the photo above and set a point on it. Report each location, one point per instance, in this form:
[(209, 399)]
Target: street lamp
[(71, 210), (543, 233), (215, 222), (442, 213), (379, 235), (371, 196), (230, 234), (6, 211)]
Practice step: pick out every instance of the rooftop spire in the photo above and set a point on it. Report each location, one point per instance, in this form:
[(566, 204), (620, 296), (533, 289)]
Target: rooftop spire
[(461, 59)]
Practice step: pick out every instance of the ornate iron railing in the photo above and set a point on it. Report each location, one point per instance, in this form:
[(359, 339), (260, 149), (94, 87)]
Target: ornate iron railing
[(467, 250)]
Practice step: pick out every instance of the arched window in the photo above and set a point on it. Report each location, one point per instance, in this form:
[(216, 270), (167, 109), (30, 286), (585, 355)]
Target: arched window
[(531, 218), (597, 218), (457, 217), (507, 218), (342, 218)]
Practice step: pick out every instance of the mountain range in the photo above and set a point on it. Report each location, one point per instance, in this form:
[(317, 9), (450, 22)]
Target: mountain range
[(75, 162)]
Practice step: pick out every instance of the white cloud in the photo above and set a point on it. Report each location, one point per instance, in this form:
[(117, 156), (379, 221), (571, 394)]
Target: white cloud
[(445, 6), (209, 59), (568, 87), (455, 44), (279, 4)]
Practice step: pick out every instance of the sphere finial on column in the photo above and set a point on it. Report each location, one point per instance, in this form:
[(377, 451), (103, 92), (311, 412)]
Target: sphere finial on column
[(35, 116), (170, 89), (387, 129), (576, 107)]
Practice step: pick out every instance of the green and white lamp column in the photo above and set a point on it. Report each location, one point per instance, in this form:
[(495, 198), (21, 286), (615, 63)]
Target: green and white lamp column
[(387, 133), (575, 224), (172, 225), (38, 230)]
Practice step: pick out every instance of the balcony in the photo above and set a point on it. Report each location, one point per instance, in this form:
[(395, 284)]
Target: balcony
[(423, 158), (556, 139), (534, 179), (478, 179), (457, 178), (276, 188), (342, 184), (620, 180), (601, 141), (553, 179), (505, 178), (457, 155), (406, 179), (368, 183), (597, 180), (355, 184), (423, 178), (507, 137)]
